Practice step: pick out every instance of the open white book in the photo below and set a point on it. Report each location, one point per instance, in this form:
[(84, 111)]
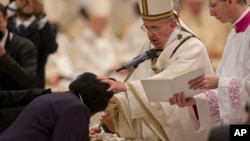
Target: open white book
[(162, 90)]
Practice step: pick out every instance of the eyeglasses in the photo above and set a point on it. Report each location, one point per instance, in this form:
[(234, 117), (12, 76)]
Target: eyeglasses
[(214, 5), (154, 29)]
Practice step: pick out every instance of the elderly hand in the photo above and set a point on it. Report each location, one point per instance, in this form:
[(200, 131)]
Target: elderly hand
[(204, 82), (181, 101), (95, 130), (115, 86), (106, 119)]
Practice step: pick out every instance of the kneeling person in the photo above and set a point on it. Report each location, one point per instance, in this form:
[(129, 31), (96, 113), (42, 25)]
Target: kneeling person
[(61, 117)]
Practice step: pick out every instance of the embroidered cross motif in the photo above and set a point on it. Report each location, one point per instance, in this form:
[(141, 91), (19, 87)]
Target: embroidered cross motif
[(179, 37)]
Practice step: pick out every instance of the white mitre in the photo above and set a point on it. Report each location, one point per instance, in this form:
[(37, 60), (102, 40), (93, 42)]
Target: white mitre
[(63, 12), (98, 8), (153, 10)]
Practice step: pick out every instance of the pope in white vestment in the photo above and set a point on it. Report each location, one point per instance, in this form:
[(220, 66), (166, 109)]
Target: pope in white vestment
[(226, 103), (137, 118)]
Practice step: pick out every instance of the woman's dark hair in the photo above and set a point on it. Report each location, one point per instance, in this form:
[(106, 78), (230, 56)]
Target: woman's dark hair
[(93, 92)]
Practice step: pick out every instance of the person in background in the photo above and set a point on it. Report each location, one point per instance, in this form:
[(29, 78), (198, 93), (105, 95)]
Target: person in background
[(195, 14), (5, 2), (177, 50), (63, 66), (131, 35), (88, 48), (18, 58), (227, 92), (99, 39), (30, 21), (63, 116)]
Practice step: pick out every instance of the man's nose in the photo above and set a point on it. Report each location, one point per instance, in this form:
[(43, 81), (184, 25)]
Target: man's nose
[(150, 33)]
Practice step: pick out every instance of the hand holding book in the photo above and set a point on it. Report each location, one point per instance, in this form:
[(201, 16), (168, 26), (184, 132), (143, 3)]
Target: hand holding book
[(180, 100), (203, 82)]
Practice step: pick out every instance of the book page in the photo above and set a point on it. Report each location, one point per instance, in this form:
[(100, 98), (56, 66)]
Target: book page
[(158, 90), (182, 85), (164, 89)]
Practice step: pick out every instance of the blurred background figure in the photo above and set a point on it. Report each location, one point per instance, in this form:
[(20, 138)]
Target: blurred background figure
[(126, 21), (18, 58), (109, 35), (86, 42), (195, 13), (99, 38), (5, 2), (29, 20), (122, 15), (62, 66)]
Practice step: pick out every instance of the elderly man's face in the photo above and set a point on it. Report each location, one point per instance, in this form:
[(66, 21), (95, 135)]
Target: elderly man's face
[(159, 31)]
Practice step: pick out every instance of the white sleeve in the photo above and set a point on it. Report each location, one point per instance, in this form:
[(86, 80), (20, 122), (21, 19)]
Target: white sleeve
[(225, 103), (233, 94), (207, 112)]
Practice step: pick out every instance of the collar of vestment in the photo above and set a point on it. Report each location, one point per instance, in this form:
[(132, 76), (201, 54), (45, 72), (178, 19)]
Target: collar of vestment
[(165, 55), (243, 22)]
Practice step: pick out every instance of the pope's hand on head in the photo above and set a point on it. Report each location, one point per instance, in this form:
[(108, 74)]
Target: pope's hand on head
[(114, 86)]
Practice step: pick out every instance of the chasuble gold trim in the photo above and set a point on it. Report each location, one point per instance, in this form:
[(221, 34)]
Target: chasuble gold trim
[(151, 116)]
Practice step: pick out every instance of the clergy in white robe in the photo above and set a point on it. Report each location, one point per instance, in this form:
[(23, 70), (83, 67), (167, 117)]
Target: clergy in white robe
[(137, 118), (85, 45), (225, 104), (195, 14)]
